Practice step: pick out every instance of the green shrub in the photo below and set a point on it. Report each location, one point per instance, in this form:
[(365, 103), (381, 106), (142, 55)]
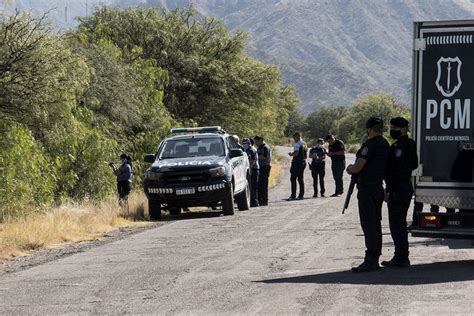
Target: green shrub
[(26, 174)]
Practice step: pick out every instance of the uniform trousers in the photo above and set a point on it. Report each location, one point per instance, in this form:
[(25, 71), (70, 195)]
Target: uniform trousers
[(318, 171), (398, 205), (254, 187), (263, 184), (297, 174), (370, 196)]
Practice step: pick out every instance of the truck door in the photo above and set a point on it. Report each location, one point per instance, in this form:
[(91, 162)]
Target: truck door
[(238, 165)]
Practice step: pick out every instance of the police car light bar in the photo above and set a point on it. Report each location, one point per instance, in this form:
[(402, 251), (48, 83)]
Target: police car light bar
[(205, 129)]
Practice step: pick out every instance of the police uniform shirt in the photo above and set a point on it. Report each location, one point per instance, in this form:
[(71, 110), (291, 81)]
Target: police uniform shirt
[(125, 173), (403, 160), (317, 151), (300, 148), (265, 151), (338, 145), (375, 151), (253, 155)]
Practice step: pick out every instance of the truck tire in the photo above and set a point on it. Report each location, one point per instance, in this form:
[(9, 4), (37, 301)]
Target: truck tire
[(154, 210), (228, 202), (243, 199), (175, 210)]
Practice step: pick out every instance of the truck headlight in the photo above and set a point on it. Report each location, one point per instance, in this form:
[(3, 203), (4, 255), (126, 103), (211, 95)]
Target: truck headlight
[(217, 172), (152, 175)]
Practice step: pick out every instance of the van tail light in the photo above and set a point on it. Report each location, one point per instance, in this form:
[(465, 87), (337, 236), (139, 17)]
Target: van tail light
[(430, 221)]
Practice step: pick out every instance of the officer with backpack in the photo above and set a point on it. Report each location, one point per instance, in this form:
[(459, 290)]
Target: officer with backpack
[(298, 165)]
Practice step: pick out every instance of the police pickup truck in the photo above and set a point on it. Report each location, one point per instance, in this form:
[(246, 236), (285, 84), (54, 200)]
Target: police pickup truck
[(201, 166), (443, 81)]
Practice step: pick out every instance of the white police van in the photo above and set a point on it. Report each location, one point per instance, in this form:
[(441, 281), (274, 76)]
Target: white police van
[(443, 91), (201, 166)]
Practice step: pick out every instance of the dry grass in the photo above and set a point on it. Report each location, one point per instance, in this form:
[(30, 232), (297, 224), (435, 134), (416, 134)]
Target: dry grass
[(276, 172), (68, 223), (75, 222)]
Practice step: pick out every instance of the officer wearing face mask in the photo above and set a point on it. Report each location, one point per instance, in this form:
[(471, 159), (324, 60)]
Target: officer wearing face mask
[(403, 159)]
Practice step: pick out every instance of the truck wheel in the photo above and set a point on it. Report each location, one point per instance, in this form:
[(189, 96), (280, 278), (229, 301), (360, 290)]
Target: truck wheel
[(154, 210), (175, 210), (228, 202), (243, 199)]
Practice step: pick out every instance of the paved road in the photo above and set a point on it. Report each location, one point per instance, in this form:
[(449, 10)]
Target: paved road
[(287, 258)]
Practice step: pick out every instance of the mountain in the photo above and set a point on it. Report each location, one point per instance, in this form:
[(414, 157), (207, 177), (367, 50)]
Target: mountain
[(332, 50)]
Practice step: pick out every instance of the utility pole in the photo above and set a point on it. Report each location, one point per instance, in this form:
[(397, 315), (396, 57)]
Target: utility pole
[(86, 9)]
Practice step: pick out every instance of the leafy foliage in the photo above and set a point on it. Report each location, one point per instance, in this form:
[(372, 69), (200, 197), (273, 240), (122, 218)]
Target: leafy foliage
[(321, 121), (351, 127), (26, 173), (118, 83), (210, 78)]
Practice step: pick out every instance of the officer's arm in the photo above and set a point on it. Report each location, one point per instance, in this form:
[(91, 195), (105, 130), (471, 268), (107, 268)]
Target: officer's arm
[(357, 167)]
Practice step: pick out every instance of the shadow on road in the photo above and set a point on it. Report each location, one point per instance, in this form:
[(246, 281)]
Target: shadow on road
[(432, 273), (191, 215)]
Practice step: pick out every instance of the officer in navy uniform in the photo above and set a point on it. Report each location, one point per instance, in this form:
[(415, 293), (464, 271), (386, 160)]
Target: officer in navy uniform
[(265, 163), (252, 154), (298, 165), (318, 166), (403, 159), (370, 167), (124, 174)]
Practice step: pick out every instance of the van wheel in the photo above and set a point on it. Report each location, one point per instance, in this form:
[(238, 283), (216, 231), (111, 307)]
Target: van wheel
[(243, 199), (228, 202), (154, 210)]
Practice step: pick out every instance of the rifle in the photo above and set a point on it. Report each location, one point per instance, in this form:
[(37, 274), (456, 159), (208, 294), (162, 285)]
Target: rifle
[(349, 192)]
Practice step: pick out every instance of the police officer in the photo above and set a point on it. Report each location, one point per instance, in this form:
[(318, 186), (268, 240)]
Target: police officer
[(298, 164), (337, 152), (265, 163), (124, 174), (370, 166), (318, 166), (399, 190), (248, 143)]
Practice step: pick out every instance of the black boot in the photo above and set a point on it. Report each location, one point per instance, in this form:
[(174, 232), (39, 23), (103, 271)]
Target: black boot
[(366, 266), (397, 262)]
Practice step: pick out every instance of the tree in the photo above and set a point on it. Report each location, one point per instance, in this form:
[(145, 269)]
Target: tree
[(351, 127), (40, 75), (210, 78), (296, 123), (321, 121)]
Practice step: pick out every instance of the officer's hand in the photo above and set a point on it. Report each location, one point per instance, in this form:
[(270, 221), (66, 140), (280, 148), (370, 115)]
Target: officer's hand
[(348, 169), (386, 197)]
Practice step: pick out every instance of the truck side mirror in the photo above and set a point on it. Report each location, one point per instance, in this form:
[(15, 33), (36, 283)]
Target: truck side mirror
[(234, 153), (149, 158)]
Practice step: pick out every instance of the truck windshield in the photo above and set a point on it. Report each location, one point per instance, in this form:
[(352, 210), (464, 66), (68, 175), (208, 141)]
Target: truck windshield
[(192, 147)]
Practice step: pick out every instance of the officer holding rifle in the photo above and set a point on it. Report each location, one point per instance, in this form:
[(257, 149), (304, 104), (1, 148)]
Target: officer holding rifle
[(370, 167)]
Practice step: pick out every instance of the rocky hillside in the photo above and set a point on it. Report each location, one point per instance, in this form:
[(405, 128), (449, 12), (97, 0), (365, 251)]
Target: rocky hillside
[(332, 50)]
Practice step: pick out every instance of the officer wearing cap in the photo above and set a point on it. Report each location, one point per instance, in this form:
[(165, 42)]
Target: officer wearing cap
[(403, 159), (370, 166)]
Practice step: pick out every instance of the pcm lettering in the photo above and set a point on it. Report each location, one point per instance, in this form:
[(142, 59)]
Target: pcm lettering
[(457, 118)]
